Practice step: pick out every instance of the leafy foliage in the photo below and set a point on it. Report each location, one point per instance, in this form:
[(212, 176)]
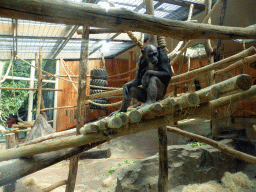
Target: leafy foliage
[(13, 102)]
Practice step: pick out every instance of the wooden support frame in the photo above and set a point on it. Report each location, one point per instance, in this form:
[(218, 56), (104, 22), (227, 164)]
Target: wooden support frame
[(73, 13)]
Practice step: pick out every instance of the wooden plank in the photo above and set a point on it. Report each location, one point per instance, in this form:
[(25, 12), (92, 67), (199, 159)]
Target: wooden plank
[(73, 13)]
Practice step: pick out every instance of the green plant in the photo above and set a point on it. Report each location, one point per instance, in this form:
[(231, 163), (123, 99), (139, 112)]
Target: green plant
[(119, 164), (113, 169), (129, 162), (197, 144), (121, 113)]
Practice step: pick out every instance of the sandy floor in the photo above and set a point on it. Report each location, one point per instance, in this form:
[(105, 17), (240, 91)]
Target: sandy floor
[(93, 174)]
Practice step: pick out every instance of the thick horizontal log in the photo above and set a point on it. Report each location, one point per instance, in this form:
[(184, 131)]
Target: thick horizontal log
[(79, 140), (249, 61), (216, 144), (50, 136), (158, 121), (219, 64), (229, 86), (73, 13), (96, 154), (99, 31), (17, 168), (55, 185)]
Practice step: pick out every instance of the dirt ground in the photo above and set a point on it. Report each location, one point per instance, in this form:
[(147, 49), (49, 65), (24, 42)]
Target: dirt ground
[(93, 174)]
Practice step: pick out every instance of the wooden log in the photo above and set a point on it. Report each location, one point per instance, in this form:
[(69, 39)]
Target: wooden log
[(163, 160), (216, 144), (117, 19), (96, 154), (208, 94), (134, 116), (242, 81), (149, 111), (78, 140), (124, 118), (229, 86), (91, 128), (113, 122), (55, 185), (216, 65), (99, 31), (188, 100), (249, 61), (50, 136), (18, 168)]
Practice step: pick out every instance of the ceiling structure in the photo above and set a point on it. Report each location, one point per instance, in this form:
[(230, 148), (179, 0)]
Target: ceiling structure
[(24, 37)]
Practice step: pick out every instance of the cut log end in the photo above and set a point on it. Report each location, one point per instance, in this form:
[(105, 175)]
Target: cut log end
[(193, 99), (244, 82), (90, 128), (134, 116), (114, 122), (124, 118)]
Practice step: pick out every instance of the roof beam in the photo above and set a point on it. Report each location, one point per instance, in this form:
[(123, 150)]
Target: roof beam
[(73, 13), (200, 6)]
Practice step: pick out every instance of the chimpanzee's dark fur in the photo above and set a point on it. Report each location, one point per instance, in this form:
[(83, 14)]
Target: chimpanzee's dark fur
[(154, 74)]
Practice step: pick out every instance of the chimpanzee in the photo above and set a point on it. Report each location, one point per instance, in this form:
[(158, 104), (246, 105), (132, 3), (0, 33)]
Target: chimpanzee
[(154, 74)]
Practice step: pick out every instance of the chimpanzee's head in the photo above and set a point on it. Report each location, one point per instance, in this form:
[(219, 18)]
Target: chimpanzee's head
[(151, 54)]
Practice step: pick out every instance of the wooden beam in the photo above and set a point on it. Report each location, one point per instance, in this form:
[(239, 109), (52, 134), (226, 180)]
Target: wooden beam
[(18, 168), (73, 13), (99, 31)]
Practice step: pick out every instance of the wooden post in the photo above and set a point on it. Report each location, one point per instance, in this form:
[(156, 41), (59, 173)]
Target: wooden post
[(10, 142), (39, 78), (73, 166), (163, 160), (210, 57), (31, 93)]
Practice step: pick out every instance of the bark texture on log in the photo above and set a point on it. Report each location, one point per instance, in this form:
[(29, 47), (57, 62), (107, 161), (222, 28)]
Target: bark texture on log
[(73, 13), (17, 168)]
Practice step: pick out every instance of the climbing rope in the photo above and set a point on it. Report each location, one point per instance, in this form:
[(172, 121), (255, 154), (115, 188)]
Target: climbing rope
[(105, 105), (162, 43), (68, 73)]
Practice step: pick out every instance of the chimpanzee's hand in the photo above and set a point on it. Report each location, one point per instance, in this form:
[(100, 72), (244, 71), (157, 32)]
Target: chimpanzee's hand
[(145, 80), (126, 91)]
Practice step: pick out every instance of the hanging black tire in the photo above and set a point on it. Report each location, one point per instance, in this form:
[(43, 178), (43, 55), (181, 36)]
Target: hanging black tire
[(96, 91), (98, 82), (92, 106), (99, 74)]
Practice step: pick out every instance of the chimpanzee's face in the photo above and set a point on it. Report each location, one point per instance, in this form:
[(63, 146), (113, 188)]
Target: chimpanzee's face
[(151, 54)]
